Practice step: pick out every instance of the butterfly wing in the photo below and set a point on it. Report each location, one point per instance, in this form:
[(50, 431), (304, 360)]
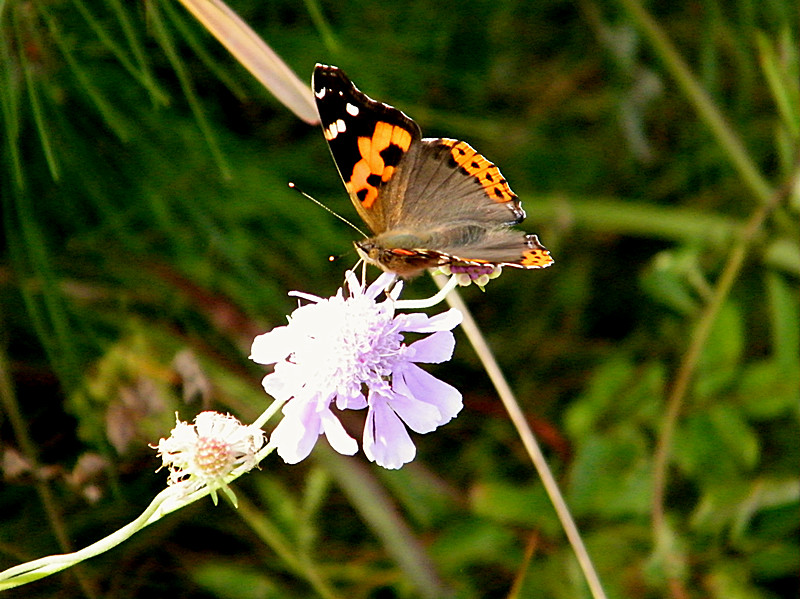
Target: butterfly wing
[(430, 202), (368, 141)]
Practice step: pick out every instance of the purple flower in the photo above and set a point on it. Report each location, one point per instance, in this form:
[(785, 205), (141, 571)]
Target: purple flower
[(334, 349)]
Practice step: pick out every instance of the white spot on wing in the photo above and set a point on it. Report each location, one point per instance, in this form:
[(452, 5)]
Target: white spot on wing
[(321, 93), (352, 109), (334, 129)]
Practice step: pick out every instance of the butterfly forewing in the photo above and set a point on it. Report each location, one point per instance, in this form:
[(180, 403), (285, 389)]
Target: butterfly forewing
[(367, 139)]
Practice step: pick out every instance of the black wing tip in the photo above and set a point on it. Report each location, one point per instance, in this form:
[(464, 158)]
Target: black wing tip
[(322, 71)]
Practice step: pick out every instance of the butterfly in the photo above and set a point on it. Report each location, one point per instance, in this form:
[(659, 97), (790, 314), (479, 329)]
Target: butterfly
[(428, 202)]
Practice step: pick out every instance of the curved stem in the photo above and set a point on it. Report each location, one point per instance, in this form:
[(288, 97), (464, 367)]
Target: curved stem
[(8, 399), (528, 440), (167, 501), (34, 570), (444, 289), (268, 413)]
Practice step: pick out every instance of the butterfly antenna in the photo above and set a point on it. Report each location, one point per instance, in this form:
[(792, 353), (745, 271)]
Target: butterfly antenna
[(324, 207)]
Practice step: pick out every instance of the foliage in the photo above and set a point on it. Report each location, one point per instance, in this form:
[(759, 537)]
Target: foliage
[(149, 234)]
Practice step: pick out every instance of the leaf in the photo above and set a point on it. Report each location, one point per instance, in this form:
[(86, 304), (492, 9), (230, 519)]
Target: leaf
[(716, 445), (608, 382), (233, 581), (473, 540), (765, 494), (740, 439), (668, 280), (611, 475), (731, 579), (785, 316), (766, 390), (721, 358), (520, 505), (618, 391)]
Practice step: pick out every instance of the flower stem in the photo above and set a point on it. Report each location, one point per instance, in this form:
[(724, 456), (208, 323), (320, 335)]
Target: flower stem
[(169, 500), (268, 413), (528, 439), (34, 570), (702, 330)]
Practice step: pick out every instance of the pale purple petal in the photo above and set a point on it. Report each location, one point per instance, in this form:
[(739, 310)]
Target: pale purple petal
[(411, 322), (419, 416), (333, 349), (421, 323), (272, 346), (307, 296), (411, 380), (386, 440), (379, 285), (395, 291), (433, 349), (296, 435), (446, 321), (354, 400), (336, 435), (284, 382)]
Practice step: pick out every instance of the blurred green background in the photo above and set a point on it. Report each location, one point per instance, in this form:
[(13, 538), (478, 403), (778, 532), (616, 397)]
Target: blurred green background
[(149, 234)]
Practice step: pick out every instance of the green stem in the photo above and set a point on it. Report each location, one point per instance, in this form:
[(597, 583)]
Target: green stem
[(169, 500), (8, 399), (683, 378), (30, 571)]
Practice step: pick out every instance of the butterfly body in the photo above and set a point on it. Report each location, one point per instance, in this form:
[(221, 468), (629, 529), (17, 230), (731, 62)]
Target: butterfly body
[(429, 202)]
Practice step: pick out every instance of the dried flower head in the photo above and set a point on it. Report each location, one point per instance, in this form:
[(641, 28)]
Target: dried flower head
[(206, 453)]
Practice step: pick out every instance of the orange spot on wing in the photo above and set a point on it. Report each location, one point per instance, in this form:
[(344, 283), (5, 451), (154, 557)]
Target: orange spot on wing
[(401, 138), (372, 163), (536, 258), (485, 172), (382, 136)]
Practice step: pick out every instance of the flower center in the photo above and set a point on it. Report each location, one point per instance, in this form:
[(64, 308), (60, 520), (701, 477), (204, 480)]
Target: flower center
[(213, 456), (368, 348)]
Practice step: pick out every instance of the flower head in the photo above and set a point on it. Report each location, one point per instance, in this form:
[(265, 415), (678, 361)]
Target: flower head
[(203, 454), (348, 351), (467, 273)]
